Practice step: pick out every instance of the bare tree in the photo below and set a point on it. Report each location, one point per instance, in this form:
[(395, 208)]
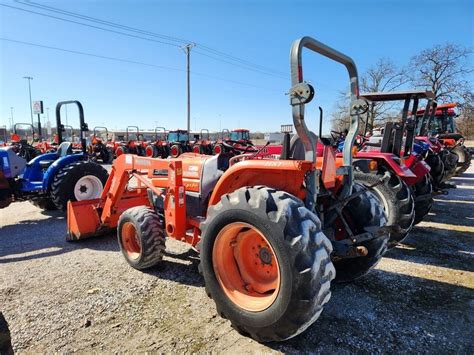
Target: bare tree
[(465, 121), (444, 69), (384, 75)]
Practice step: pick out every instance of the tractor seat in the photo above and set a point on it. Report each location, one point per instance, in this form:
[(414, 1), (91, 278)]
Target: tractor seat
[(45, 164), (65, 148)]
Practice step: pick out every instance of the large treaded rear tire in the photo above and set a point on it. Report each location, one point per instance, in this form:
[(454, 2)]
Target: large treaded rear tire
[(464, 161), (363, 211), (397, 201), (423, 192), (437, 169), (302, 252), (149, 235), (62, 188)]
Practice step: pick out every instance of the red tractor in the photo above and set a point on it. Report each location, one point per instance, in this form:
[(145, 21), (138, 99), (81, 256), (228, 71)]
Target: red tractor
[(203, 143), (443, 126), (20, 142), (178, 142), (158, 147), (272, 233), (237, 141), (98, 148), (133, 143)]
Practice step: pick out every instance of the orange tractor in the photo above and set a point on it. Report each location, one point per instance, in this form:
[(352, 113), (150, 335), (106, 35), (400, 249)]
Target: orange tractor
[(272, 233)]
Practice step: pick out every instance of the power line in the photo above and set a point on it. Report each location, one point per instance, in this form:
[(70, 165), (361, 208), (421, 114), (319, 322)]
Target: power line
[(261, 68), (91, 26), (132, 62)]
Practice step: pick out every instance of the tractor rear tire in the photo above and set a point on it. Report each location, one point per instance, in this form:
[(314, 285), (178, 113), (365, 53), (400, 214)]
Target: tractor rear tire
[(363, 211), (397, 201), (45, 203), (423, 192), (141, 237), (285, 236), (218, 149), (176, 150), (437, 169), (111, 155), (65, 183), (464, 161)]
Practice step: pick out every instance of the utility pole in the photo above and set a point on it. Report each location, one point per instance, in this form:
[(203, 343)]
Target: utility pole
[(11, 111), (187, 50), (29, 78)]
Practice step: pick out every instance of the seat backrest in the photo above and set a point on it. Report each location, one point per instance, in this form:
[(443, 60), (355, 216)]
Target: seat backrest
[(65, 148)]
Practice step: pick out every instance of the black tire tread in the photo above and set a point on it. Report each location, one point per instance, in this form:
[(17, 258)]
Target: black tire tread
[(400, 202), (150, 233), (309, 249), (59, 188)]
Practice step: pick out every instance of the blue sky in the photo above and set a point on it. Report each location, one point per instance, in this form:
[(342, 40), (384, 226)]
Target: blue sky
[(117, 94)]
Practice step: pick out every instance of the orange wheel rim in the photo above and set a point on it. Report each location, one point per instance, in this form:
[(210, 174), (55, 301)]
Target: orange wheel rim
[(130, 242), (196, 149), (149, 151), (246, 267), (174, 151)]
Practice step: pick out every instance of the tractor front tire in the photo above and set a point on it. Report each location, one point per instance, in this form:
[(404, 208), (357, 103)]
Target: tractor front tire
[(82, 180), (266, 263), (141, 237), (363, 211), (397, 201), (423, 192)]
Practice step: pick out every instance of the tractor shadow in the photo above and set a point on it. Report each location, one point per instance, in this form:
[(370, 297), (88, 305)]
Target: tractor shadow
[(36, 239), (438, 247), (179, 267), (390, 312)]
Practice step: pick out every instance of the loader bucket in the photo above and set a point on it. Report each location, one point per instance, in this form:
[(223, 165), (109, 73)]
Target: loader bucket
[(83, 220)]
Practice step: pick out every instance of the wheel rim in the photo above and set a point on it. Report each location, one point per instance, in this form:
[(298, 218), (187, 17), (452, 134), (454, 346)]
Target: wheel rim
[(87, 188), (196, 149), (149, 151), (217, 149), (174, 151), (130, 242), (119, 151), (246, 267)]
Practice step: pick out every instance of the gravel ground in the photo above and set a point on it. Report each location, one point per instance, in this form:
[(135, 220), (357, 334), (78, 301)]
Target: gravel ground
[(83, 296)]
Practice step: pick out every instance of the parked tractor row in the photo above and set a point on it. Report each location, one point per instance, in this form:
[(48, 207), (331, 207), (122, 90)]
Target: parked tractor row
[(275, 226)]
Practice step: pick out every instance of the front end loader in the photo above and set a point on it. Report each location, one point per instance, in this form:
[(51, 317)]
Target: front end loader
[(272, 233)]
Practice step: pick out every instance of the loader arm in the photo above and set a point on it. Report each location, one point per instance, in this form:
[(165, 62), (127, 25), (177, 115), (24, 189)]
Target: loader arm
[(163, 177)]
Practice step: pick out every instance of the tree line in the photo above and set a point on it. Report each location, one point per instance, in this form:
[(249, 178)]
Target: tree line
[(443, 69)]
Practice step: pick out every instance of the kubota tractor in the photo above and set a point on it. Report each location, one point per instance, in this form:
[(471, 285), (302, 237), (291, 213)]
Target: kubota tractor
[(98, 149), (443, 126), (20, 144), (158, 148), (178, 142), (133, 144), (50, 180), (272, 233), (203, 145)]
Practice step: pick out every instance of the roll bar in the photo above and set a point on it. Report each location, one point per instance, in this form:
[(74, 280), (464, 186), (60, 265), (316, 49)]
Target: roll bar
[(160, 130), (137, 133), (302, 93), (82, 125)]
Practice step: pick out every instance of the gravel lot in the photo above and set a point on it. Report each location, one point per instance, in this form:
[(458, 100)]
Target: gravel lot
[(65, 297)]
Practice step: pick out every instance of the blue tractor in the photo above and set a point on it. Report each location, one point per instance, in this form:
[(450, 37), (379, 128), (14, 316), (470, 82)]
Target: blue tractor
[(50, 180)]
